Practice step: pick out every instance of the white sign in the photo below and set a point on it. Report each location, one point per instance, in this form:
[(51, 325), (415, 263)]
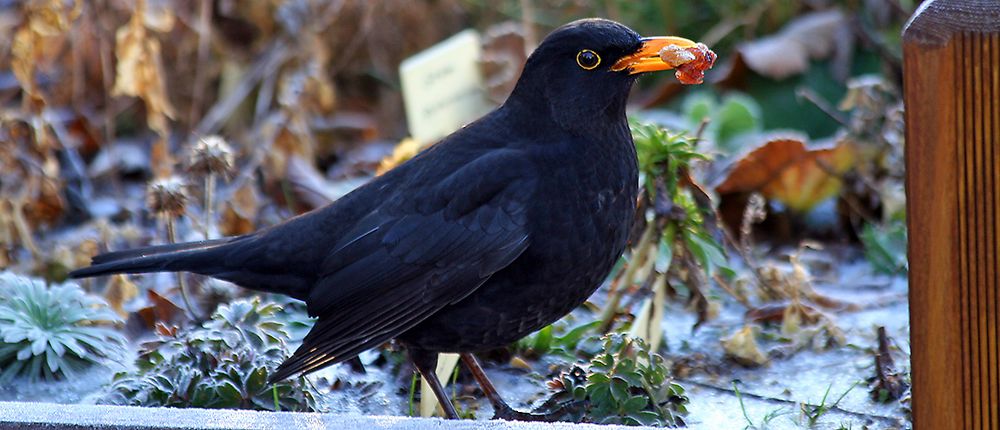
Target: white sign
[(443, 87)]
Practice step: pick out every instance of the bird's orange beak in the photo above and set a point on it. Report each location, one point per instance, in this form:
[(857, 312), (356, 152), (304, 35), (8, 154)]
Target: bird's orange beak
[(647, 58)]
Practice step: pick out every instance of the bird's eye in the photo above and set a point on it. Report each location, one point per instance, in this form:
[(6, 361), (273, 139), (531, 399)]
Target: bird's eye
[(587, 59)]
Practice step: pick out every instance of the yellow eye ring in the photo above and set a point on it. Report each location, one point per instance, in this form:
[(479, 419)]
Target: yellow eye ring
[(588, 60)]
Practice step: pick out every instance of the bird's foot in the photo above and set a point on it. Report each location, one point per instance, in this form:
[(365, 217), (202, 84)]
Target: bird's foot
[(507, 413), (502, 411)]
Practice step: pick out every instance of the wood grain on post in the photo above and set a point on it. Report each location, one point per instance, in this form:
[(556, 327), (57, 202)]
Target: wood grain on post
[(951, 67)]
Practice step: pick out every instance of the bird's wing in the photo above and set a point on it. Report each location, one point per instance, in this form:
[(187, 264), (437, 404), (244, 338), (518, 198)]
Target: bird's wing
[(403, 262)]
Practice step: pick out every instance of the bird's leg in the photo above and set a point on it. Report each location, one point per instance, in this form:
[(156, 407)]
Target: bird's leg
[(426, 364), (501, 410)]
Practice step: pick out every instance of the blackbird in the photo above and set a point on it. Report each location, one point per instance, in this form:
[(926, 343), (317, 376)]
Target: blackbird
[(494, 232)]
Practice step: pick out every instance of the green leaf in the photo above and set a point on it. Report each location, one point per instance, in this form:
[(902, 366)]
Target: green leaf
[(885, 247), (632, 376), (737, 116), (602, 363), (619, 389), (665, 251), (24, 353), (599, 392), (228, 391), (579, 393), (543, 340), (635, 404), (38, 344), (598, 378), (699, 106), (707, 251), (573, 336), (257, 380), (52, 360), (649, 418)]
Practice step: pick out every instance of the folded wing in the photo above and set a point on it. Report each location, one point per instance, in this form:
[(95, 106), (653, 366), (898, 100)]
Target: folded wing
[(409, 258)]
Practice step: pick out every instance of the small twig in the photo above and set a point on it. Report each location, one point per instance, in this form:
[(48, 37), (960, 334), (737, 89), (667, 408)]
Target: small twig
[(265, 96), (887, 381), (264, 134), (171, 238), (880, 47), (22, 228), (725, 286), (822, 104), (76, 58), (204, 37), (209, 204), (696, 279), (107, 78), (701, 131), (360, 37), (267, 65), (528, 23)]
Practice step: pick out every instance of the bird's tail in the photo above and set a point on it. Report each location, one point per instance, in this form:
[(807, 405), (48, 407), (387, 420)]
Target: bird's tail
[(191, 256)]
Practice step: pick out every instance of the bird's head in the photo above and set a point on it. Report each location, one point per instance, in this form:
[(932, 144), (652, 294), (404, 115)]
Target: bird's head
[(582, 72)]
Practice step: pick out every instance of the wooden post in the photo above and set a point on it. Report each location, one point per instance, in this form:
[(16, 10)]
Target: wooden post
[(951, 67)]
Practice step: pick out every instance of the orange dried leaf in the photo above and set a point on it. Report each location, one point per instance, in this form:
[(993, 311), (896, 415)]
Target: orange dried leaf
[(53, 17), (120, 290), (741, 346), (23, 59), (405, 150), (160, 160), (160, 310), (139, 71), (40, 40), (239, 212), (786, 171), (777, 312), (45, 203), (163, 330)]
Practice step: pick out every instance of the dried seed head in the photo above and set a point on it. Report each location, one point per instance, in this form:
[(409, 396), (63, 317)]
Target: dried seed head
[(211, 155), (167, 196)]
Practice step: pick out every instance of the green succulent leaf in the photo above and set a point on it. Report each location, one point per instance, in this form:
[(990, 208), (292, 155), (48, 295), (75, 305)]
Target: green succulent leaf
[(51, 331)]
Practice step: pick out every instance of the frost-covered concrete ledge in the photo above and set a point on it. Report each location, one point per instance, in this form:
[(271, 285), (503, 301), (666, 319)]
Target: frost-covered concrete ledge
[(49, 416)]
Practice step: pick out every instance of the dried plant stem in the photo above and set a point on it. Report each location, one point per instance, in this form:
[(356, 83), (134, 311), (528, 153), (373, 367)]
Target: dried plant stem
[(638, 257), (209, 204), (528, 23), (171, 238), (22, 227), (695, 282), (204, 32), (823, 105)]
